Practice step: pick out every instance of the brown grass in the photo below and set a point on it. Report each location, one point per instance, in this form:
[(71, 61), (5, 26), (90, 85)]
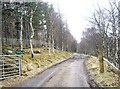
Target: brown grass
[(37, 64), (106, 79)]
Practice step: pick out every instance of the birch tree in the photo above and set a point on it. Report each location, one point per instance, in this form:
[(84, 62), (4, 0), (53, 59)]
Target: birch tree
[(21, 30), (32, 29), (50, 28)]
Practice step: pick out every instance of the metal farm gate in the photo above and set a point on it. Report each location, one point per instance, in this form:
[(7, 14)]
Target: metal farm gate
[(10, 66)]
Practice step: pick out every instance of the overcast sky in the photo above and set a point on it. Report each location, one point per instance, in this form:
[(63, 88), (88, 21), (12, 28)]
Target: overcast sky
[(77, 12)]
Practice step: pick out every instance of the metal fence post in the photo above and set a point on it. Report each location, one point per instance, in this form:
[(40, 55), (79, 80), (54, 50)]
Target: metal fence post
[(1, 69), (13, 67), (19, 62), (3, 74)]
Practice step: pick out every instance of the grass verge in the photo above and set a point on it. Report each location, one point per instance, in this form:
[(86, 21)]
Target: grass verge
[(32, 66), (106, 79)]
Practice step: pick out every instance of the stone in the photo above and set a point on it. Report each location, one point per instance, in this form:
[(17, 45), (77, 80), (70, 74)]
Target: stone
[(29, 67)]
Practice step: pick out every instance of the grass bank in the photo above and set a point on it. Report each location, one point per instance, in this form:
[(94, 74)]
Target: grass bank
[(32, 66), (106, 79)]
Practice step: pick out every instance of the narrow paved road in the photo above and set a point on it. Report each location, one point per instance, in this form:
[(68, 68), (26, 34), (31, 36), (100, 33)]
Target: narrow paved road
[(70, 73)]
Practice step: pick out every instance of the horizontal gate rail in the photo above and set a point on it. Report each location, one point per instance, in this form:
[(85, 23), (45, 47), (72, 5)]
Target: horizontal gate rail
[(10, 66)]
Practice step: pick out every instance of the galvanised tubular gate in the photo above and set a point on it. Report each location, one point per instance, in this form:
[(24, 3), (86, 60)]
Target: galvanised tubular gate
[(10, 66)]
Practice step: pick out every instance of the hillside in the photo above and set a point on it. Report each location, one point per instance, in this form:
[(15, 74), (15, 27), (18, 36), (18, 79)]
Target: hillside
[(33, 66)]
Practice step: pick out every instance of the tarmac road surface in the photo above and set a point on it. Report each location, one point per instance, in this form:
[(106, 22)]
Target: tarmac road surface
[(70, 73)]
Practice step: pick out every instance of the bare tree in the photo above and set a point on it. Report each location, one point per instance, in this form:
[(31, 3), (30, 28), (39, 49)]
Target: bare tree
[(99, 20), (32, 29), (21, 32), (113, 20)]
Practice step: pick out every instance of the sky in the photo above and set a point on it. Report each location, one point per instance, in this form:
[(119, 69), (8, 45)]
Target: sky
[(77, 13)]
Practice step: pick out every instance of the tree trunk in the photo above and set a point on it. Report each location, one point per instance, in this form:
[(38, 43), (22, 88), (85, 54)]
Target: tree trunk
[(53, 50), (62, 44), (1, 29), (101, 61), (0, 40), (27, 33), (12, 39), (116, 52), (117, 40), (32, 35), (49, 44), (45, 39), (21, 31), (57, 47)]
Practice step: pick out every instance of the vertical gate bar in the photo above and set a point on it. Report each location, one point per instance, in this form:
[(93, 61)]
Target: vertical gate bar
[(3, 70), (19, 62)]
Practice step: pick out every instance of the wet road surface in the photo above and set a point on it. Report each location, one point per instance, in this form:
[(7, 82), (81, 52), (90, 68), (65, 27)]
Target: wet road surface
[(70, 73)]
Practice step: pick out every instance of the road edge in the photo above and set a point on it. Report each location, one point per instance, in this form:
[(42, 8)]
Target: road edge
[(44, 69), (90, 79)]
